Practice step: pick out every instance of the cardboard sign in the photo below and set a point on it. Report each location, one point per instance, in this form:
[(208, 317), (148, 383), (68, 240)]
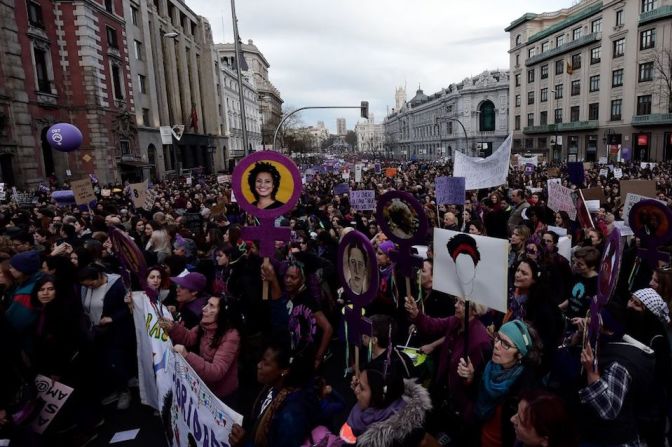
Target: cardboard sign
[(138, 192), (450, 190), (560, 199), (630, 200), (54, 394), (83, 191), (604, 172), (642, 187), (618, 173), (363, 200), (596, 193)]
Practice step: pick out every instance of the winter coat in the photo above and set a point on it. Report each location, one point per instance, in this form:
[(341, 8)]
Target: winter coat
[(21, 314), (218, 367), (404, 428)]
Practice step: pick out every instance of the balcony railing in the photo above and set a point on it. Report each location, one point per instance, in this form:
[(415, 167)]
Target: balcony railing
[(580, 42), (569, 21), (656, 14), (653, 119), (562, 127)]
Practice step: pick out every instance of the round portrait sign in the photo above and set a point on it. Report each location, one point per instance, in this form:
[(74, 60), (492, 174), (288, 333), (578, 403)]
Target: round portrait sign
[(651, 221), (357, 268), (401, 218), (266, 184)]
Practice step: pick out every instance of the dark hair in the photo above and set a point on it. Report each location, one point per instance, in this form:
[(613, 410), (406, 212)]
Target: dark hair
[(235, 234), (534, 267), (565, 219), (260, 167), (90, 272), (463, 244), (360, 246), (547, 414), (229, 317), (69, 231), (553, 235), (590, 255), (36, 288), (300, 362), (386, 386), (381, 326), (478, 224)]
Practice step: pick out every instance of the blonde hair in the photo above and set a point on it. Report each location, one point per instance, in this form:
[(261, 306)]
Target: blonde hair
[(159, 241)]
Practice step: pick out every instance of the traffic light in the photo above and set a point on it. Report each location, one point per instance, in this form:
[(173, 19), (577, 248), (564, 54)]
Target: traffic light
[(364, 109)]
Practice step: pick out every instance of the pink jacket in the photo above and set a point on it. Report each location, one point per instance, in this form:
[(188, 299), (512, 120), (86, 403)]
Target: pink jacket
[(217, 367)]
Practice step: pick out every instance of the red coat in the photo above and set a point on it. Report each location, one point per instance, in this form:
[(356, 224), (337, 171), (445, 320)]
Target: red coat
[(217, 367)]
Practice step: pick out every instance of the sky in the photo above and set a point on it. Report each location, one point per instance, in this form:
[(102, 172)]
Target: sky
[(340, 52)]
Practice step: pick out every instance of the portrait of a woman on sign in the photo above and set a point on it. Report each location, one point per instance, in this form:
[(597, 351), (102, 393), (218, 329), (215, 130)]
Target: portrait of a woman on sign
[(264, 181), (356, 268), (401, 219)]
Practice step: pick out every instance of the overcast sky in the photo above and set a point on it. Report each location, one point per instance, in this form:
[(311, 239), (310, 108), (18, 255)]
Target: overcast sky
[(339, 52)]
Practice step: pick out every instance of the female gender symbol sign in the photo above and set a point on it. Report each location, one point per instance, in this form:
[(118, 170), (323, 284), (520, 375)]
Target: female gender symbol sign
[(651, 221), (358, 273), (404, 222)]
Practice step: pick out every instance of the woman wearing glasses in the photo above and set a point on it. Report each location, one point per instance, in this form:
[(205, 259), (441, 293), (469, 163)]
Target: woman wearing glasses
[(513, 369)]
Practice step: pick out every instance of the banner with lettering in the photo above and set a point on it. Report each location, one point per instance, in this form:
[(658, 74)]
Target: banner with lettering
[(560, 199), (358, 172), (484, 172), (363, 200), (54, 394)]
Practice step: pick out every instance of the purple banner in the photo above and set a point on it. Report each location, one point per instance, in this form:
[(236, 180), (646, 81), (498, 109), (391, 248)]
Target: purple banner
[(450, 190)]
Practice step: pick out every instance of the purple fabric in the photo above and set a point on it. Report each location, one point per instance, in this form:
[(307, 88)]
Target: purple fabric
[(359, 420)]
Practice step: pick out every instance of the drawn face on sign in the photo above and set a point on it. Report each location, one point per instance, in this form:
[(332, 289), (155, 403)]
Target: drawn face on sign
[(356, 268), (463, 250), (401, 218)]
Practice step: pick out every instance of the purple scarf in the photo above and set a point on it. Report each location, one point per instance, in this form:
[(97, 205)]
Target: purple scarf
[(359, 420)]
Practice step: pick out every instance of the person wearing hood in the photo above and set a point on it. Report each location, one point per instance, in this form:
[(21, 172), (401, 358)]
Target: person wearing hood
[(111, 329), (25, 270)]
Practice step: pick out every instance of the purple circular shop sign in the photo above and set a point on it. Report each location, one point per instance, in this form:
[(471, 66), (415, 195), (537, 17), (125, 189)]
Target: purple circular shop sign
[(357, 268), (282, 187)]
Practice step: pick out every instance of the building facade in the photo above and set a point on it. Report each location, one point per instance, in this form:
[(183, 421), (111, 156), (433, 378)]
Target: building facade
[(341, 129), (268, 96), (319, 134), (370, 136), (471, 116), (587, 81)]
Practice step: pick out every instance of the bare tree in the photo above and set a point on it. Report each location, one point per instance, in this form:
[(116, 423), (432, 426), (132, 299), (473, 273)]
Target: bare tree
[(663, 67), (292, 123)]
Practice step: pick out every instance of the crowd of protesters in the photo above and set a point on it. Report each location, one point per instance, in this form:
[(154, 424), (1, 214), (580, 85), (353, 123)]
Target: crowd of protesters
[(524, 378)]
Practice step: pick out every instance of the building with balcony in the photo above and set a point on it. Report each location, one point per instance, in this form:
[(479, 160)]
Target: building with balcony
[(341, 128), (370, 136), (470, 116), (587, 81)]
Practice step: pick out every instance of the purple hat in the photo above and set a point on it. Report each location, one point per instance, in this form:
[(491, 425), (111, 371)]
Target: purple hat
[(386, 247), (192, 281)]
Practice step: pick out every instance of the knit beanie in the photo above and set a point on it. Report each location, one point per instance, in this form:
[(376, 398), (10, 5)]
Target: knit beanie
[(27, 262), (654, 303)]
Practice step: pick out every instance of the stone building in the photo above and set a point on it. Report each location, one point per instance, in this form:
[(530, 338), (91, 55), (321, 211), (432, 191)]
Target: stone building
[(430, 127), (587, 81), (370, 136), (269, 99), (341, 128)]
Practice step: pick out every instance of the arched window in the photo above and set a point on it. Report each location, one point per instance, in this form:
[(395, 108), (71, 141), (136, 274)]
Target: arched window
[(487, 116), (518, 39)]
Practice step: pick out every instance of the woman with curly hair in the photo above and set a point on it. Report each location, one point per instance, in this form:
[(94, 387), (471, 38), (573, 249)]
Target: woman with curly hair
[(264, 182)]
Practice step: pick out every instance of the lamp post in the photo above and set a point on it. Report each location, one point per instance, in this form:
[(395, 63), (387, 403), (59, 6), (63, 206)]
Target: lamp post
[(466, 137), (172, 35)]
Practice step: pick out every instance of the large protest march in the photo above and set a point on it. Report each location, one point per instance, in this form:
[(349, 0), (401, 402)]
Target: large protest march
[(343, 301)]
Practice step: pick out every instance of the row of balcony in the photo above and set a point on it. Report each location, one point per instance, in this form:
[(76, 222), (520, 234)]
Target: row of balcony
[(656, 14), (653, 119), (580, 42)]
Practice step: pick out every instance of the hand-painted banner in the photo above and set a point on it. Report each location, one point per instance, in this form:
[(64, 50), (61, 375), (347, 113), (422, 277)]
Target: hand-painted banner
[(363, 200), (54, 394), (560, 199), (450, 190), (484, 172)]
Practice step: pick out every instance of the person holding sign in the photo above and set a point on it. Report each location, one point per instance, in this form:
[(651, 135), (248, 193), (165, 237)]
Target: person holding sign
[(264, 181)]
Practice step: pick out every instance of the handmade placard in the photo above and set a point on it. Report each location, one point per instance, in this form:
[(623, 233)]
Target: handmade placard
[(450, 190), (363, 200)]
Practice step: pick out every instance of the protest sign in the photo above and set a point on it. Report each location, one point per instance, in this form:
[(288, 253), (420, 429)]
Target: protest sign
[(450, 190), (593, 205), (623, 228), (565, 247), (604, 172), (83, 191), (390, 172), (138, 192), (188, 181), (642, 187), (630, 200), (596, 193), (358, 172), (477, 273), (150, 198), (105, 192), (603, 160), (533, 160), (221, 179), (3, 192), (377, 168), (557, 181), (618, 173), (341, 188), (560, 199), (54, 394), (557, 230), (363, 200), (484, 172), (345, 175), (575, 172)]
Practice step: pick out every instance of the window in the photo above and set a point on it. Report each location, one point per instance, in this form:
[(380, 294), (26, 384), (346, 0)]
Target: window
[(617, 78), (574, 114), (594, 111), (517, 122), (517, 100), (648, 5), (518, 80), (517, 60), (558, 116), (576, 33), (559, 40), (142, 82), (543, 118), (530, 97), (116, 82), (646, 72), (595, 83), (529, 143), (596, 55), (559, 67), (518, 37), (596, 26), (138, 50), (112, 38), (619, 17), (530, 119), (616, 105), (134, 16), (108, 6), (644, 105), (544, 71), (531, 52), (545, 46), (487, 117), (530, 75), (145, 117), (576, 61), (576, 87), (619, 47), (35, 15), (647, 39), (558, 91), (543, 96), (43, 82)]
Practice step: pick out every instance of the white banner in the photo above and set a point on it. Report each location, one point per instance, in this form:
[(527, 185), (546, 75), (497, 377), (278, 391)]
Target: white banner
[(484, 172), (560, 199), (533, 160), (358, 172)]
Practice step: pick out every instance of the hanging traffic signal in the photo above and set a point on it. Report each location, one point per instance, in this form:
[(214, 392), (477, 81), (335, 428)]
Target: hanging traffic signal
[(364, 109)]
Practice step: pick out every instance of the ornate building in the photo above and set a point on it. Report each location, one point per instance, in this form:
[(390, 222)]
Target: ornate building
[(429, 127), (370, 136)]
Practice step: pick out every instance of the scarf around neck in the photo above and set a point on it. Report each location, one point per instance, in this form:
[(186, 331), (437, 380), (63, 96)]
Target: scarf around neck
[(359, 420), (495, 385)]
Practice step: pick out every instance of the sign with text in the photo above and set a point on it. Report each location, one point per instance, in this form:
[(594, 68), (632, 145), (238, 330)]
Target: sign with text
[(358, 172), (618, 173), (138, 191), (54, 394), (484, 172), (560, 199), (83, 191), (450, 190), (363, 200)]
